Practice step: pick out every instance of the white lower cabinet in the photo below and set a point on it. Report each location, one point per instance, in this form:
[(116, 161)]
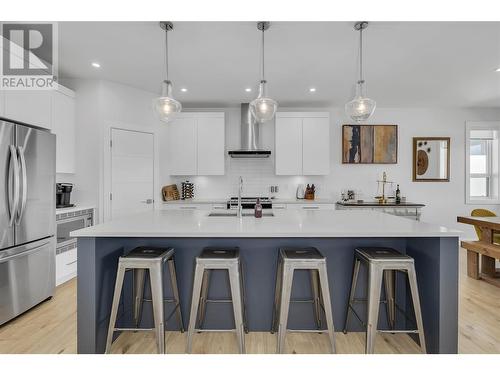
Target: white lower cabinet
[(66, 266), (188, 206), (311, 206)]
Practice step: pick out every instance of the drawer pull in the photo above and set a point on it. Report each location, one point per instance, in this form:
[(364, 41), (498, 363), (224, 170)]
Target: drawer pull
[(188, 208), (310, 207)]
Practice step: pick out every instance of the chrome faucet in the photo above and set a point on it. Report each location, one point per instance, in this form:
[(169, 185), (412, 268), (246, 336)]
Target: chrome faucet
[(240, 189)]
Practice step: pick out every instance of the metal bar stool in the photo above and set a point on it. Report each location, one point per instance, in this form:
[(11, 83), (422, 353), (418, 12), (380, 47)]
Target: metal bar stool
[(382, 265), (140, 260), (291, 259), (213, 258)]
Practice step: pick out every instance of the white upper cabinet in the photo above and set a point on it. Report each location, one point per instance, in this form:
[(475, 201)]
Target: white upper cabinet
[(49, 109), (32, 107), (182, 146), (302, 143), (211, 142), (288, 146), (316, 146), (63, 126), (2, 103), (196, 144)]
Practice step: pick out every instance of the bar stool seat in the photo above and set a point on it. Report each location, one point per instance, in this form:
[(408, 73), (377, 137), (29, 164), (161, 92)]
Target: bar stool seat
[(141, 260), (382, 264), (289, 260), (216, 258)]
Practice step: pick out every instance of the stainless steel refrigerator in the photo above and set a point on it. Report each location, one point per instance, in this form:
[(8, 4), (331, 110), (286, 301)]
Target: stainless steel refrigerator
[(27, 217)]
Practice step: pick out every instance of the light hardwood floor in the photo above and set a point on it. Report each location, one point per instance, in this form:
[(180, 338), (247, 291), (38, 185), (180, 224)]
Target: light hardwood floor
[(51, 328)]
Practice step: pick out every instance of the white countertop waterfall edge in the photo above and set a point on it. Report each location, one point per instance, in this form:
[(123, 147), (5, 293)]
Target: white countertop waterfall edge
[(285, 223)]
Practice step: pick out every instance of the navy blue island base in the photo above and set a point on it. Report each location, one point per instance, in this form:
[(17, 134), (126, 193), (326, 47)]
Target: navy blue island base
[(436, 261)]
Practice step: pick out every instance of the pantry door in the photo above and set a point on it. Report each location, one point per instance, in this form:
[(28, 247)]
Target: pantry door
[(132, 172)]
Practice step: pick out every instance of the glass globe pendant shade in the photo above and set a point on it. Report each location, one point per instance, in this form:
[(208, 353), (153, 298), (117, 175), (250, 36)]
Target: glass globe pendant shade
[(360, 108), (166, 106), (263, 108)]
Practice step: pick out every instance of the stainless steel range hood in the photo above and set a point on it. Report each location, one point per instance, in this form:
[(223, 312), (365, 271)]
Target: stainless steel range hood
[(249, 137)]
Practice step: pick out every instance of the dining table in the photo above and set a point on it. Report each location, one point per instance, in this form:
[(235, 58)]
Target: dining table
[(483, 253)]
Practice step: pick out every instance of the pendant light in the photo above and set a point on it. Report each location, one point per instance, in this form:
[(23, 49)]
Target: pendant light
[(263, 108), (361, 107), (166, 106)]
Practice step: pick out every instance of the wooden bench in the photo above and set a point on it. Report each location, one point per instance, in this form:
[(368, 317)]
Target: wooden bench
[(485, 247)]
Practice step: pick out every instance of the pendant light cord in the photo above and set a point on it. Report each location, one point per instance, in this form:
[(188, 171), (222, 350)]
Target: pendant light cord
[(263, 72), (361, 54), (166, 53)]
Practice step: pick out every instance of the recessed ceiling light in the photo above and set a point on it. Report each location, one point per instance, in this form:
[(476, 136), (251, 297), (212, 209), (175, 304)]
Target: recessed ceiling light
[(312, 89), (96, 65), (498, 70), (184, 89), (248, 89)]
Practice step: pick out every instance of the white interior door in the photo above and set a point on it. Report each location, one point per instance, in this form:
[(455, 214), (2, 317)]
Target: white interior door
[(132, 172)]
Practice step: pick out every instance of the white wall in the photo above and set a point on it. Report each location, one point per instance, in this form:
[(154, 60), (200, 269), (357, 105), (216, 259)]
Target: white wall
[(101, 105), (444, 200)]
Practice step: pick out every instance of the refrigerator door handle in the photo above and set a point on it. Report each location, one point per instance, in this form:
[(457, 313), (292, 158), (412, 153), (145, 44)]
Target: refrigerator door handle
[(13, 191), (24, 185)]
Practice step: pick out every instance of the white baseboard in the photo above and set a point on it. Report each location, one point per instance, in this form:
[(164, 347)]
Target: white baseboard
[(64, 278)]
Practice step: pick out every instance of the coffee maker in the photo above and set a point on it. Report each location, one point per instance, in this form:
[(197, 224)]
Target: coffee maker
[(63, 195)]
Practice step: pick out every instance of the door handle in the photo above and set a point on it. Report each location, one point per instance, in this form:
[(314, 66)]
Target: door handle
[(148, 201), (24, 186), (10, 255), (13, 195)]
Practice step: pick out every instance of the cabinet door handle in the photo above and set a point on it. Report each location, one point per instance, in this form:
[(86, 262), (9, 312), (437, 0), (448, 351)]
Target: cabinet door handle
[(310, 207), (70, 263), (147, 201), (188, 208)]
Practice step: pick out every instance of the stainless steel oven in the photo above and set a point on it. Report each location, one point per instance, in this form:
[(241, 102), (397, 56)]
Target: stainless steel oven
[(67, 223)]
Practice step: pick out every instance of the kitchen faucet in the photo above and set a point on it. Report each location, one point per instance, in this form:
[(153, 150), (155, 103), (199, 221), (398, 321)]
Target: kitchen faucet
[(240, 189)]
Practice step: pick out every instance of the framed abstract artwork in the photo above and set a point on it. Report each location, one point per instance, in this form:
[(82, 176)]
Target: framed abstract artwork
[(431, 159), (369, 144)]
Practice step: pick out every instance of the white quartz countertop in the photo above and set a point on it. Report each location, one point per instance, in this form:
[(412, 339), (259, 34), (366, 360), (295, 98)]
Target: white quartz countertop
[(285, 223), (274, 200)]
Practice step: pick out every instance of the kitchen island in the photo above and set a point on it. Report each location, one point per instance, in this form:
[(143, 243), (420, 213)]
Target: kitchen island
[(335, 233)]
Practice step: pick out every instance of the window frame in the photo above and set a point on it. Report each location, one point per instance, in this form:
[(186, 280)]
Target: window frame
[(482, 125)]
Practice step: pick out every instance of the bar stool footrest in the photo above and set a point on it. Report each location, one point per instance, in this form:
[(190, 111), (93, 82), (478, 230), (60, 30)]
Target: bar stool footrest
[(307, 330), (199, 330), (132, 329), (397, 330)]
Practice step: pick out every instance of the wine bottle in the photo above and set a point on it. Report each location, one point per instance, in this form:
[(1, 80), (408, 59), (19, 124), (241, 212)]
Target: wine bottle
[(258, 209), (398, 195)]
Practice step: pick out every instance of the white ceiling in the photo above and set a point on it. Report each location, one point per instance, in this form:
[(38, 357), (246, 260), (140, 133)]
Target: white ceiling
[(415, 64)]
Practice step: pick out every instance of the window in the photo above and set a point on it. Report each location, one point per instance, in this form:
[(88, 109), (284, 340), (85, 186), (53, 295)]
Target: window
[(480, 166), (482, 162)]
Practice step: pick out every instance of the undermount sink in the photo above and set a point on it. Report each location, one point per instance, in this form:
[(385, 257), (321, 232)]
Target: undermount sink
[(235, 214)]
